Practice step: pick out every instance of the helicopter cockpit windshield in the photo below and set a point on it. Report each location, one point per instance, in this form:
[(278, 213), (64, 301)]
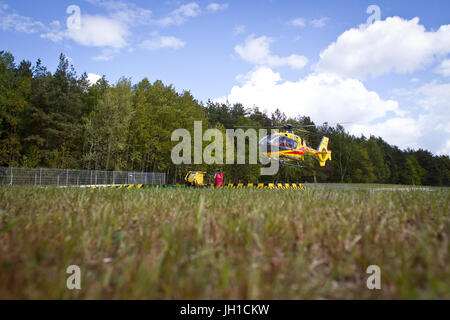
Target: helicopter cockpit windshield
[(271, 143)]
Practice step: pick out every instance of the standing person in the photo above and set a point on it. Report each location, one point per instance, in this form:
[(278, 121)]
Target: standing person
[(218, 179)]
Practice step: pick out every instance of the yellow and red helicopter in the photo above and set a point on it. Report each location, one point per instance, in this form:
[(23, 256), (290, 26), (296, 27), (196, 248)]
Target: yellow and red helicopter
[(289, 148)]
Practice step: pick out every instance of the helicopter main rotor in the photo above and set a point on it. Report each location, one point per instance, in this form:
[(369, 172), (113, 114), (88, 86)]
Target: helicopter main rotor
[(287, 126)]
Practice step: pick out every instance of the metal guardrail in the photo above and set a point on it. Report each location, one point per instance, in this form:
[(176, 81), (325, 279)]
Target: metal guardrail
[(67, 177)]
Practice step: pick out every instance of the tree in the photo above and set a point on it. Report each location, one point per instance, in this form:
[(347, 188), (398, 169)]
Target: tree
[(381, 168), (365, 170), (108, 126), (416, 172), (344, 151), (14, 101), (431, 165)]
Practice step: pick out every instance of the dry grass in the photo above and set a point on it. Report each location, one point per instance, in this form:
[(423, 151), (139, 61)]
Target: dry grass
[(223, 244)]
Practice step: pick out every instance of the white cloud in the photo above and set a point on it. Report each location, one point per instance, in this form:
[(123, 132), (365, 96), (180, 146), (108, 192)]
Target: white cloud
[(95, 31), (257, 51), (392, 45), (302, 22), (429, 129), (107, 54), (399, 131), (188, 10), (436, 97), (298, 22), (11, 20), (444, 68), (180, 15), (159, 42), (214, 7), (320, 23), (434, 120), (331, 98), (125, 12), (55, 32), (110, 31), (93, 78), (324, 97), (239, 29)]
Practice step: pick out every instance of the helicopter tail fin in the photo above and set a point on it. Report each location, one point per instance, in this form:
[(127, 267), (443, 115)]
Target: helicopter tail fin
[(323, 154)]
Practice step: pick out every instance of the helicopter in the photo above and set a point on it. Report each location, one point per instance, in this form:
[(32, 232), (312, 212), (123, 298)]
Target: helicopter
[(289, 149)]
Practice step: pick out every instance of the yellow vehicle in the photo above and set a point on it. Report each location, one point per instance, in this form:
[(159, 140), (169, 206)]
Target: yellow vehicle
[(195, 178)]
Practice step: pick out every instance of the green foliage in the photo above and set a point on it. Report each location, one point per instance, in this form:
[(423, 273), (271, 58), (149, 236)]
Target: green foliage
[(365, 170), (416, 172), (107, 128), (59, 120), (14, 92)]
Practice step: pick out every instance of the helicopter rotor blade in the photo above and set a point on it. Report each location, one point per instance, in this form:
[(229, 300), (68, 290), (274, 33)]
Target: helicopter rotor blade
[(273, 127), (301, 130), (278, 127), (290, 127), (256, 127), (305, 126), (314, 125), (336, 123)]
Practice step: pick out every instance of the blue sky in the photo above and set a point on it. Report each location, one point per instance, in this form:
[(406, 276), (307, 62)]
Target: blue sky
[(389, 78)]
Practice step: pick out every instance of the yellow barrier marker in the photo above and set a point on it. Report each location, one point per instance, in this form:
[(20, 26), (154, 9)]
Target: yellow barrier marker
[(277, 186)]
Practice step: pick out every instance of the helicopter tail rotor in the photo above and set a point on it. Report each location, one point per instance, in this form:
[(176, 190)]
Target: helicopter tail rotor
[(323, 154)]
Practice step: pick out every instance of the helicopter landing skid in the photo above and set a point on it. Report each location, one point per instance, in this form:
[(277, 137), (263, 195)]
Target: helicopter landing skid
[(291, 165)]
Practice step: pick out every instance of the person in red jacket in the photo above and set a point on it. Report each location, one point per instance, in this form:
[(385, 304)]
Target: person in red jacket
[(218, 179)]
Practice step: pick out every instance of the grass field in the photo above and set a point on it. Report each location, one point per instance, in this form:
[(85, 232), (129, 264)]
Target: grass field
[(223, 244)]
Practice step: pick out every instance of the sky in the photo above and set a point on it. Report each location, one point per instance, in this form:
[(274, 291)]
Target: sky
[(382, 66)]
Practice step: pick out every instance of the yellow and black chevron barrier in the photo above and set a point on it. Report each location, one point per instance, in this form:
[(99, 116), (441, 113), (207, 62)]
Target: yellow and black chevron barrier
[(276, 186), (124, 186), (273, 186)]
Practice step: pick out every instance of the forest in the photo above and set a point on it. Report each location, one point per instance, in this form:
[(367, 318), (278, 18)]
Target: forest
[(60, 120)]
